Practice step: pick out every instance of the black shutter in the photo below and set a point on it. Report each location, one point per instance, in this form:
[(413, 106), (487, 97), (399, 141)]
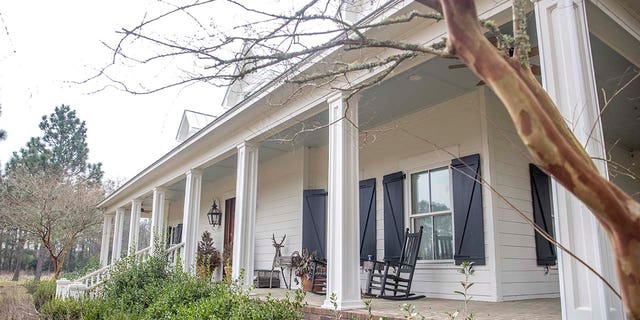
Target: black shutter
[(393, 215), (314, 205), (367, 218), (177, 234), (169, 236), (542, 215), (467, 210)]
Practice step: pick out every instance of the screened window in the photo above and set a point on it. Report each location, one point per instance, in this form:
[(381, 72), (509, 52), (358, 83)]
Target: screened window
[(431, 209)]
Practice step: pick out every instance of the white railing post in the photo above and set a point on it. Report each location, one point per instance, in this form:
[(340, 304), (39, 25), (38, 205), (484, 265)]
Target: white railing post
[(62, 288)]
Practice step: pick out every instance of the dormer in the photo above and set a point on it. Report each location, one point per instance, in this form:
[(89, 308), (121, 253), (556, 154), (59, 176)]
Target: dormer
[(192, 122), (241, 88)]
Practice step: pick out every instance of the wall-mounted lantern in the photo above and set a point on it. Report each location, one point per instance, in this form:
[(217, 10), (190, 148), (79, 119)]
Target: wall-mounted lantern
[(214, 215)]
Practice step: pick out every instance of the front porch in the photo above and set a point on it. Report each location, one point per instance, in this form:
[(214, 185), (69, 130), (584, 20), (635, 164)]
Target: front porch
[(533, 309), (348, 189)]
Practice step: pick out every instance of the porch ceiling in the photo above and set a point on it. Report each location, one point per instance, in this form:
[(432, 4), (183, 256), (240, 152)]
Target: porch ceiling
[(621, 118), (422, 86)]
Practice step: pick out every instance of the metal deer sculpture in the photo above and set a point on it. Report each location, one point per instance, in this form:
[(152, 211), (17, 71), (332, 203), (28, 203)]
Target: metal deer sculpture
[(276, 258), (278, 246)]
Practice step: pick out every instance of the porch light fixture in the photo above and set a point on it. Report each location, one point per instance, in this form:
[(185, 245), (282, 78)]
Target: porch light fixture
[(214, 215)]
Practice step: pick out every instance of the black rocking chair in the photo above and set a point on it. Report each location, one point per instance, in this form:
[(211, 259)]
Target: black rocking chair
[(394, 282)]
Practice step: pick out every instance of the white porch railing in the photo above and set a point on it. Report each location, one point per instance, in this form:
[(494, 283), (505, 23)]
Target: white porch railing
[(91, 281), (174, 252)]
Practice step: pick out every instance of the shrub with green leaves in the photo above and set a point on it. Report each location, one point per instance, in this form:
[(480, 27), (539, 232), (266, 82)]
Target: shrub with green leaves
[(42, 291), (85, 308), (228, 301), (153, 290)]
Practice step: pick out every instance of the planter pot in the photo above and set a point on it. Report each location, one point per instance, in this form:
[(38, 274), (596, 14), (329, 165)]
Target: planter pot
[(306, 283)]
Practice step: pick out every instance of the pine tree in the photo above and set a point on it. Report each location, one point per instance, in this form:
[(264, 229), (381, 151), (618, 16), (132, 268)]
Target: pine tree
[(62, 147)]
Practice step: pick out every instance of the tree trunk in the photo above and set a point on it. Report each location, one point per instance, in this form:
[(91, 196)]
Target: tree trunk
[(57, 266), (19, 256), (37, 274), (3, 252), (551, 143)]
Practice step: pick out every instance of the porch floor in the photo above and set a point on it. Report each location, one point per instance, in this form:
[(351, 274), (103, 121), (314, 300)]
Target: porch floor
[(434, 308)]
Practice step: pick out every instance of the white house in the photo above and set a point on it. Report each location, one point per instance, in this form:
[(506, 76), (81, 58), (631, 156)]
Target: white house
[(349, 192)]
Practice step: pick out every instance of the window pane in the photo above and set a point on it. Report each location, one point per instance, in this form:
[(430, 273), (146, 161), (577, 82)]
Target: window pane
[(426, 244), (440, 194), (443, 237), (420, 192)]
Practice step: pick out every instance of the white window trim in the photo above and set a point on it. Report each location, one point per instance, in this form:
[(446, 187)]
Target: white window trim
[(408, 204)]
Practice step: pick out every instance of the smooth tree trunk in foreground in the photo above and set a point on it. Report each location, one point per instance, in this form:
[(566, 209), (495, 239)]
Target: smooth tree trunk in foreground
[(549, 140)]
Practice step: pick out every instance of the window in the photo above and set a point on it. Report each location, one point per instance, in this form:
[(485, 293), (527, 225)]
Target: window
[(431, 209)]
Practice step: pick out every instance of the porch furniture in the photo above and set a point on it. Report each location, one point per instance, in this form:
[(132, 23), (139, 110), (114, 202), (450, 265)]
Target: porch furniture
[(284, 262), (266, 279), (369, 267), (394, 282), (319, 277)]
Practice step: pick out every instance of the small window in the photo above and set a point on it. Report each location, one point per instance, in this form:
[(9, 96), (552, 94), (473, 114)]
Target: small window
[(431, 209)]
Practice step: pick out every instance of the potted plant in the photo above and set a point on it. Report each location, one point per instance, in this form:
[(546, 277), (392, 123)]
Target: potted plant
[(208, 257), (302, 264)]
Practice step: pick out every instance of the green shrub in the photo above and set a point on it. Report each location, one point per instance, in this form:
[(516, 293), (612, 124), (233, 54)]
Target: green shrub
[(42, 291), (135, 285), (72, 309), (177, 290), (153, 290), (58, 309), (31, 285), (227, 301)]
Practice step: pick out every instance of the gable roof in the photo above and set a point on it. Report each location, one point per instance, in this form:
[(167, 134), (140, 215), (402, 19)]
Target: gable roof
[(192, 122)]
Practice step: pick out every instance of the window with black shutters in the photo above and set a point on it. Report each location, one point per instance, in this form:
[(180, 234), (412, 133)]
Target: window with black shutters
[(431, 209)]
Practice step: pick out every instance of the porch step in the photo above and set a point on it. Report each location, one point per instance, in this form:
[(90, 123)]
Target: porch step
[(318, 313)]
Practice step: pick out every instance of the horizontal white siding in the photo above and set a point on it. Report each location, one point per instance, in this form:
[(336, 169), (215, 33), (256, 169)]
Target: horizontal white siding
[(454, 125), (519, 275), (279, 207)]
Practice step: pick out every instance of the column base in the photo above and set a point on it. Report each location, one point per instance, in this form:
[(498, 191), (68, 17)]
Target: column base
[(343, 305)]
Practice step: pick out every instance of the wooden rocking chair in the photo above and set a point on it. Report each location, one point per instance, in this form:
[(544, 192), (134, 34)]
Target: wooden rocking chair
[(394, 282)]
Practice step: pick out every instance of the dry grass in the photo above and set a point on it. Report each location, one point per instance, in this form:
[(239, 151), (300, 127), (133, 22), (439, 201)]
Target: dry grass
[(15, 302)]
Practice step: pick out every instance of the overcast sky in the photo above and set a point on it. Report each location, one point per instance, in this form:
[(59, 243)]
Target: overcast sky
[(45, 44)]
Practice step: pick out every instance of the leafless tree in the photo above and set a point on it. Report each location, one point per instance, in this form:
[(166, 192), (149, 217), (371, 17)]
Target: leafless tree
[(54, 209), (318, 44)]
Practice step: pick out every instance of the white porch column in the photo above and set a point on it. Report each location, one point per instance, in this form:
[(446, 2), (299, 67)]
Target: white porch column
[(157, 218), (106, 236), (116, 251), (136, 205), (568, 76), (343, 254), (245, 215), (190, 219)]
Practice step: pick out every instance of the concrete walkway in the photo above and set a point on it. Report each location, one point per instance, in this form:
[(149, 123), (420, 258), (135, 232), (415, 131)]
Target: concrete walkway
[(534, 309)]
